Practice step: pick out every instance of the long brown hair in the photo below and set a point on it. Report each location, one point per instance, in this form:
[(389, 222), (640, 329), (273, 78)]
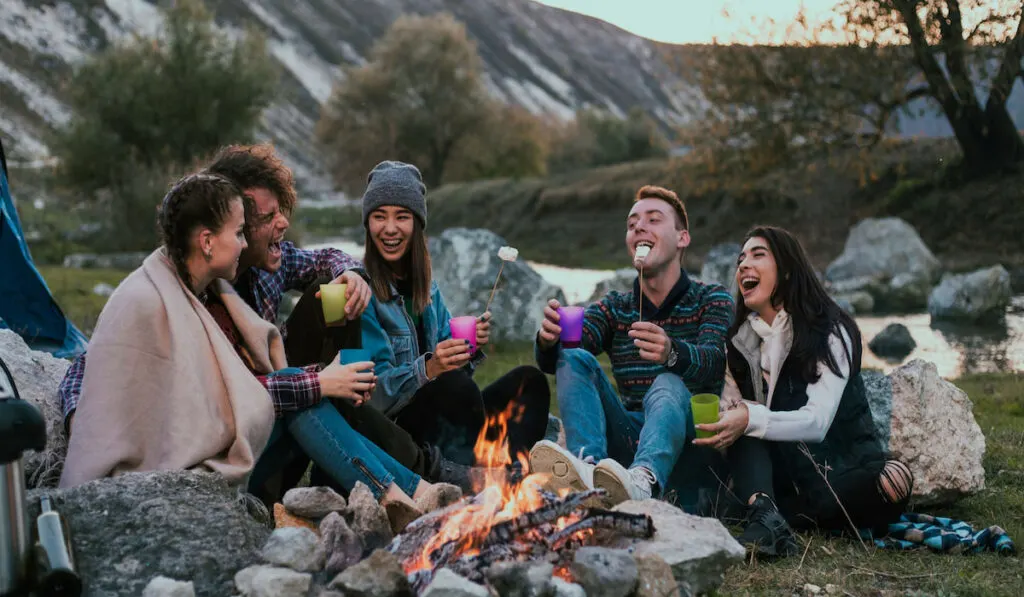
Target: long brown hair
[(195, 201), (416, 263), (814, 315)]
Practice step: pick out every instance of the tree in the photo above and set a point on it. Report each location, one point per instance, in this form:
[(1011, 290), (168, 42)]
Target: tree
[(848, 81), (597, 138), (152, 106), (416, 99), (510, 143)]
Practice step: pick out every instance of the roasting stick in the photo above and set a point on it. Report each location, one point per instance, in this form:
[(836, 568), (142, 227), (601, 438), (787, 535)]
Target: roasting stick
[(638, 259)]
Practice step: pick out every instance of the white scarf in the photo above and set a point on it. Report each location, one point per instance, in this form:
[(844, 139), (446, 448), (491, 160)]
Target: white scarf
[(774, 340)]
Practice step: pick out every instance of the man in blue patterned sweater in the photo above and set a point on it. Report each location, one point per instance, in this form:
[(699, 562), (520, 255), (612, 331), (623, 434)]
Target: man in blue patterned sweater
[(630, 444)]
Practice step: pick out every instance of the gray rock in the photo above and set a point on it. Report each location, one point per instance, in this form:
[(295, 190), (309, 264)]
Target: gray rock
[(845, 304), (161, 586), (379, 575), (521, 579), (341, 544), (449, 584), (656, 579), (294, 547), (933, 431), (270, 581), (1017, 279), (37, 375), (121, 261), (878, 388), (368, 518), (554, 428), (979, 296), (564, 588), (699, 549), (605, 572), (621, 281), (887, 258), (860, 300), (127, 529), (313, 502), (894, 341), (465, 265), (720, 265)]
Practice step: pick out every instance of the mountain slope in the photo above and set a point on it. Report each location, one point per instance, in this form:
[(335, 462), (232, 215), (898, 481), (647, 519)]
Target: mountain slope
[(545, 59)]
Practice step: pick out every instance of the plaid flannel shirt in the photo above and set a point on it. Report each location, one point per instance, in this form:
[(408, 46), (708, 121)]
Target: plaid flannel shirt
[(299, 268)]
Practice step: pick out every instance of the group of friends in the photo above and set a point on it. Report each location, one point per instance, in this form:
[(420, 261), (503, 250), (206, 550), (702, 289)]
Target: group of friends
[(186, 368)]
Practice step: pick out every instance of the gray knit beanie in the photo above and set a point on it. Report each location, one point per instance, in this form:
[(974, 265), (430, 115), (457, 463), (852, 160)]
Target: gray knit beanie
[(395, 183)]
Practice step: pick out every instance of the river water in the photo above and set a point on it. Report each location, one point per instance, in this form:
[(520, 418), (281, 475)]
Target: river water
[(955, 349)]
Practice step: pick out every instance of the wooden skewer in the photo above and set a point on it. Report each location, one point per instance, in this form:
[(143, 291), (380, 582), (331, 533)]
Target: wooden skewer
[(500, 269), (641, 301)]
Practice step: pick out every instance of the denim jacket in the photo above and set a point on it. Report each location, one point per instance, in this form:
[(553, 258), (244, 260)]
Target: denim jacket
[(391, 337)]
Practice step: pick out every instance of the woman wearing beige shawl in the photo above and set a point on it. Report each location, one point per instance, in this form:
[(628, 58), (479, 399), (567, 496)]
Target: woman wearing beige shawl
[(172, 378)]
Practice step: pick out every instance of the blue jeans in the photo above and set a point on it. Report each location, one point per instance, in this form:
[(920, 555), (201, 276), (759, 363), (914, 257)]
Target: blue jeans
[(598, 425), (328, 439)]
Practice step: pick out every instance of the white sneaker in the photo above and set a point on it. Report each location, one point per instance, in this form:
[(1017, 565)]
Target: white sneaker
[(621, 484), (564, 470)]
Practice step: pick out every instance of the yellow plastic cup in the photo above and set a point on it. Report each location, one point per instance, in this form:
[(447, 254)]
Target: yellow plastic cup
[(705, 411), (332, 299)]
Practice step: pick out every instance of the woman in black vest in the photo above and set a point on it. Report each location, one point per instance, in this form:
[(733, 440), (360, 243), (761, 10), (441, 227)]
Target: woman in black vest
[(795, 419)]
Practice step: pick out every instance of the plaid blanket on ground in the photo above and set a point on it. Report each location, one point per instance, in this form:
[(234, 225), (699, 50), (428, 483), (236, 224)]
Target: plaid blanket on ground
[(944, 535)]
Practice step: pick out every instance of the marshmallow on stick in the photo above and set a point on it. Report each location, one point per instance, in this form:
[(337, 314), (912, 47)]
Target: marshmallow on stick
[(505, 254), (641, 253)]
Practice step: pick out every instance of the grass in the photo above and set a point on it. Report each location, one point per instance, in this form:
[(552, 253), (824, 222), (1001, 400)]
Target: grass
[(998, 407)]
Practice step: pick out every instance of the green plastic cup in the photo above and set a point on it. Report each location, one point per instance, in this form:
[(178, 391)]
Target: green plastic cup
[(705, 410), (332, 299)]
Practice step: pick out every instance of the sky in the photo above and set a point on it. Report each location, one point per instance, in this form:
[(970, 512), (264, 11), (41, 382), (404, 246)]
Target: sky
[(695, 21)]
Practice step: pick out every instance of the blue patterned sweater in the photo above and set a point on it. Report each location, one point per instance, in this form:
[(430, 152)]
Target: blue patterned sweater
[(695, 315)]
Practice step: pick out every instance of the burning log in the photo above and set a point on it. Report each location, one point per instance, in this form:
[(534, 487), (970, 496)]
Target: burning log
[(621, 523), (506, 531)]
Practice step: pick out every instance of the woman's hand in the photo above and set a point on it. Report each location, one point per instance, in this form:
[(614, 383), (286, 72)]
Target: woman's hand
[(354, 382), (727, 430), (448, 356), (483, 329)]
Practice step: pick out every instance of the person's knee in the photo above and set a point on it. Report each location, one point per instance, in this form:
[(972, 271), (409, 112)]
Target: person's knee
[(896, 482), (668, 388), (532, 382), (579, 359)]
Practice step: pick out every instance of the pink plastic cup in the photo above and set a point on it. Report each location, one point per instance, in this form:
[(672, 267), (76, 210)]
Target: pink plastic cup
[(464, 328), (570, 319)]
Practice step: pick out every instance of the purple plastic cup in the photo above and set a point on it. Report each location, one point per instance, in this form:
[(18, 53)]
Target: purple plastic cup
[(570, 319), (464, 328)]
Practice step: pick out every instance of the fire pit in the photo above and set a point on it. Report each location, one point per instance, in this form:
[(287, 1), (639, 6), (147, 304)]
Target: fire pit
[(511, 518)]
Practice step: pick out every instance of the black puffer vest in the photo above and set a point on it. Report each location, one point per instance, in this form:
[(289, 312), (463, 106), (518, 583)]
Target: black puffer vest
[(850, 441)]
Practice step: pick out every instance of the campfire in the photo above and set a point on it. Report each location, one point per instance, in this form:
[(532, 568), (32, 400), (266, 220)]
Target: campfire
[(510, 518)]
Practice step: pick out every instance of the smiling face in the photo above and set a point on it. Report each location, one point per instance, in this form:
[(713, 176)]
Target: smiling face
[(653, 223), (391, 230), (757, 275), (226, 245), (266, 231)]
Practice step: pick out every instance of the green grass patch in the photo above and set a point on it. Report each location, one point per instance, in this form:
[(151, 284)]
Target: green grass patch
[(73, 291)]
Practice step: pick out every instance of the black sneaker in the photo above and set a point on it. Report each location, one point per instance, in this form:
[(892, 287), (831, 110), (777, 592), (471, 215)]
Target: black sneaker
[(767, 531)]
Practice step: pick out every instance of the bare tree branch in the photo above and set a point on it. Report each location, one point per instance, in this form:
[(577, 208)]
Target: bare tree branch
[(1009, 69)]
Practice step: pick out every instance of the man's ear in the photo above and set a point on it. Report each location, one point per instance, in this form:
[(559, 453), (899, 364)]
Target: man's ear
[(684, 239)]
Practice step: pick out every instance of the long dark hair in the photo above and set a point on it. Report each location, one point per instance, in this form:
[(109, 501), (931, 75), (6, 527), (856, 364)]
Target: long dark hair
[(195, 201), (416, 265), (813, 314)]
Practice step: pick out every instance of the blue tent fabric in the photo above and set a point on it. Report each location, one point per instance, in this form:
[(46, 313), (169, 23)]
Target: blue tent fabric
[(26, 304)]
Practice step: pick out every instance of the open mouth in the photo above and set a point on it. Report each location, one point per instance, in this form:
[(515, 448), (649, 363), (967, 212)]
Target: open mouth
[(642, 249), (391, 244), (748, 283), (274, 248)]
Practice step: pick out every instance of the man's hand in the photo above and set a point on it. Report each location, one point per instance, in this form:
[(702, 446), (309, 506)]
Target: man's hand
[(653, 342), (727, 430), (549, 328), (448, 356), (357, 294), (354, 382), (483, 329)]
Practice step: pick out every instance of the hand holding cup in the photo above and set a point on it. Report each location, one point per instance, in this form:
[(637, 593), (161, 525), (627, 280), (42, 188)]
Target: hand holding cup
[(550, 328), (448, 356)]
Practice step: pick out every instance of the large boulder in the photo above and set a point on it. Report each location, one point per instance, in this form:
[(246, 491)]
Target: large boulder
[(188, 526), (621, 281), (893, 342), (886, 258), (982, 295), (928, 423), (465, 264), (720, 265), (698, 549), (37, 375)]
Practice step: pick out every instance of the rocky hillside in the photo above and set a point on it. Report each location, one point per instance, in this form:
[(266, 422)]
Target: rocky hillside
[(547, 60)]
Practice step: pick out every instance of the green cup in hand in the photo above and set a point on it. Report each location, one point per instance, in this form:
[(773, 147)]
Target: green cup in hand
[(705, 411)]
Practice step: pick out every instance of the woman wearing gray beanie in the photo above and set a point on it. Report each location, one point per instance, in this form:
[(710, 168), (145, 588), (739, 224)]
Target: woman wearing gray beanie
[(424, 376)]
